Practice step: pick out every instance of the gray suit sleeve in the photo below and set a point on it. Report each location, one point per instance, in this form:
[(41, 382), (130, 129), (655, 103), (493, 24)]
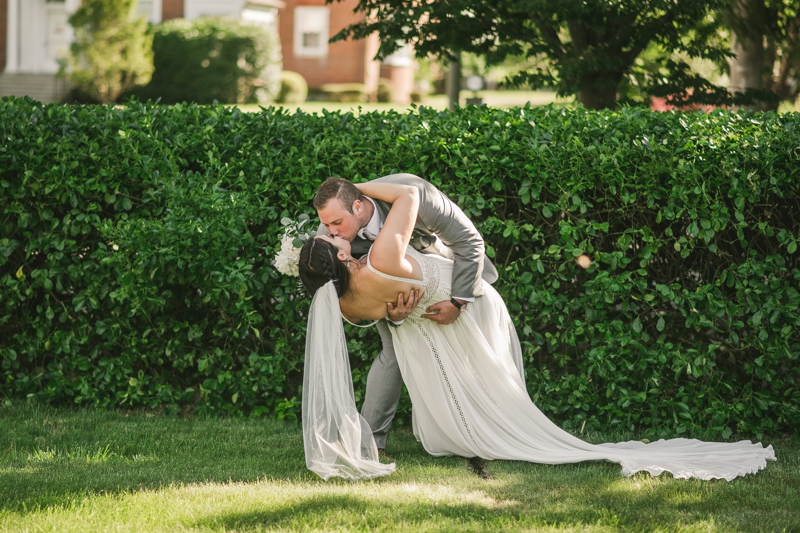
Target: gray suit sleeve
[(439, 215)]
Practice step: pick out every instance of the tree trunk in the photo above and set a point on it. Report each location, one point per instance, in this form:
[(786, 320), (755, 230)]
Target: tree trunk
[(748, 46), (453, 82), (782, 82), (599, 92)]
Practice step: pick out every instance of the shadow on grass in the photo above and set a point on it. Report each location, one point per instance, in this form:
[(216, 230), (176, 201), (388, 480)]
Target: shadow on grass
[(28, 487), (597, 493), (525, 495), (51, 457), (56, 459), (521, 495), (344, 511), (578, 508)]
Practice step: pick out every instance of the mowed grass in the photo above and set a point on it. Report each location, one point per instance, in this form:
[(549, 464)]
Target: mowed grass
[(88, 470), (496, 99)]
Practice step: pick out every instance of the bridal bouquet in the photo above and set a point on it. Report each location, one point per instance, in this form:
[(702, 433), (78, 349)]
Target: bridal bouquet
[(294, 236)]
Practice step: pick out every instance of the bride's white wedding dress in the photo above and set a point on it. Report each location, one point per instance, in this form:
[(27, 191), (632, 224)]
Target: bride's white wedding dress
[(469, 399)]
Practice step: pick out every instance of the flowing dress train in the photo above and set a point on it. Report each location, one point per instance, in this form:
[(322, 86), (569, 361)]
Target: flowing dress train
[(469, 397)]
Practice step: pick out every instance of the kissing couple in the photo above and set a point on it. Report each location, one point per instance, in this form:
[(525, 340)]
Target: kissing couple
[(398, 252)]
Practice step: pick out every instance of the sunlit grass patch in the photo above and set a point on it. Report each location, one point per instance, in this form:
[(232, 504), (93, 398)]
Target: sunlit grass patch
[(497, 99), (89, 455), (88, 470)]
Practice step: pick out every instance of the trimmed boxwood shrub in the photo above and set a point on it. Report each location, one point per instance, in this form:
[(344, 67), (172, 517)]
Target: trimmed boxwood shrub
[(384, 90), (136, 247), (213, 58), (344, 92), (294, 89)]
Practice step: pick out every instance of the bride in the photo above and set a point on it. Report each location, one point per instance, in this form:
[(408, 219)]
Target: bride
[(467, 392)]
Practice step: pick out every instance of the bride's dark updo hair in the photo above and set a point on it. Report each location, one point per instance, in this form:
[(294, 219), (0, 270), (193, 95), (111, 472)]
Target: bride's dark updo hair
[(319, 265)]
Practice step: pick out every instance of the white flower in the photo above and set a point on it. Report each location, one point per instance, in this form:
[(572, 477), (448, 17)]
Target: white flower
[(288, 259)]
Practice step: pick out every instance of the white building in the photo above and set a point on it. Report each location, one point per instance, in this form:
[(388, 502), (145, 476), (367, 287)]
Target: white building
[(35, 33)]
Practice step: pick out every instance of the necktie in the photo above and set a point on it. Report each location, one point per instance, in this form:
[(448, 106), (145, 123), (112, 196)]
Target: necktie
[(368, 235)]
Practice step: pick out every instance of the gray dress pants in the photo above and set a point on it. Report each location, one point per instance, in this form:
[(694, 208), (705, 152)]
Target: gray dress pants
[(384, 385)]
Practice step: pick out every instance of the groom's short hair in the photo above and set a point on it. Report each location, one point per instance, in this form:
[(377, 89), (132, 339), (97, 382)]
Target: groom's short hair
[(343, 190)]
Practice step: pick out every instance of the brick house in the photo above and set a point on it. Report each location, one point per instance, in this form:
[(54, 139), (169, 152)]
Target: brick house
[(34, 33), (305, 27)]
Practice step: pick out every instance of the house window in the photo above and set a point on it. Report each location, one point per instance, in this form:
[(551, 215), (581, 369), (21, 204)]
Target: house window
[(261, 16), (58, 35), (151, 9), (402, 57), (193, 9), (311, 31)]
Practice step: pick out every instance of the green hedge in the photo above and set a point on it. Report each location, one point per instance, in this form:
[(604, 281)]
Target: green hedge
[(136, 248), (213, 58)]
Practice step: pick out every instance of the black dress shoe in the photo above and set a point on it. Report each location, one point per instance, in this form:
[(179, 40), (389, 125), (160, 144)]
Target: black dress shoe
[(383, 456), (477, 466)]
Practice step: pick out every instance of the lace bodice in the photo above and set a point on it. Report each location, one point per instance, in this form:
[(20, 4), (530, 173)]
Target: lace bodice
[(435, 290)]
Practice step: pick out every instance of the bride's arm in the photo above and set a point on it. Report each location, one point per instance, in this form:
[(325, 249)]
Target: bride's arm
[(389, 250)]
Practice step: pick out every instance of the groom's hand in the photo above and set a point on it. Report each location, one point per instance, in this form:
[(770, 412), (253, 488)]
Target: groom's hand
[(442, 313), (399, 312)]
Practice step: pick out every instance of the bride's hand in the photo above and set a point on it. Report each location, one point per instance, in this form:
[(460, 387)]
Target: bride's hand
[(399, 312)]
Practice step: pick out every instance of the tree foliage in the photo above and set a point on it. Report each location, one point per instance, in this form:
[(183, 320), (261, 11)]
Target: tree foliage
[(589, 46), (112, 52)]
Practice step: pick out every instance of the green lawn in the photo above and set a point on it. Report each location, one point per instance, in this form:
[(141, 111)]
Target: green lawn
[(86, 470), (501, 99), (498, 99)]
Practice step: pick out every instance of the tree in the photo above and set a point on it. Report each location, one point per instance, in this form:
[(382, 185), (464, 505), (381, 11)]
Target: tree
[(112, 51), (590, 46), (747, 64), (766, 48)]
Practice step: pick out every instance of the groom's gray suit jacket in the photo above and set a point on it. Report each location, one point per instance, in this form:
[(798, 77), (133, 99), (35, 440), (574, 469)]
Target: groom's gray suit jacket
[(440, 216)]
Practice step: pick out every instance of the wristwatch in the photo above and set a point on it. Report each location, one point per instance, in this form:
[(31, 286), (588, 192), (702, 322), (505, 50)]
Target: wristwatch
[(458, 304)]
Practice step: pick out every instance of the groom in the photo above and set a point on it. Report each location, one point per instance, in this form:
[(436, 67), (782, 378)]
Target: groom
[(441, 228)]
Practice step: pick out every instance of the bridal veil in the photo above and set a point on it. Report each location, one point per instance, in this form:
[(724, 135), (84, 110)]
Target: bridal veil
[(338, 441)]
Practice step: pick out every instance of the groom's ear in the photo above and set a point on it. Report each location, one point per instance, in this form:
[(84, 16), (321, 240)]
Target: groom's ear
[(358, 207)]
